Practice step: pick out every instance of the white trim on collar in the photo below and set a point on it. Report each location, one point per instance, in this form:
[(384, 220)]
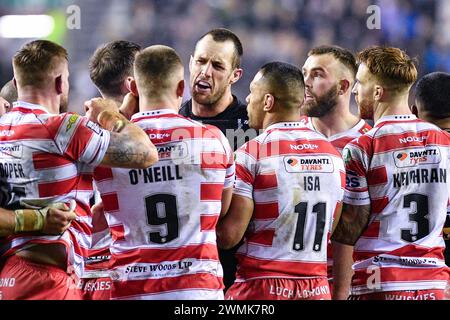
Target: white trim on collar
[(23, 104), (399, 117), (286, 125), (158, 112)]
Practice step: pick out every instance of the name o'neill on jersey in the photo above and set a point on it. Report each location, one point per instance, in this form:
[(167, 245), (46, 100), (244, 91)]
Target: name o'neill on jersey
[(155, 174)]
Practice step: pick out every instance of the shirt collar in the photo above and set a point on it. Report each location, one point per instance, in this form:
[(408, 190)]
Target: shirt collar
[(27, 105), (286, 125), (159, 112), (395, 118)]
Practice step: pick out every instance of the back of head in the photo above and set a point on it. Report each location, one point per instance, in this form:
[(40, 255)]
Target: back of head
[(285, 82), (223, 35), (111, 64), (36, 62), (344, 56), (433, 94), (9, 92), (158, 70), (392, 67)]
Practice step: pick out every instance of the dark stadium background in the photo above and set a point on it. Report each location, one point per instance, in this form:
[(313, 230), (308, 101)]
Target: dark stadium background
[(269, 29)]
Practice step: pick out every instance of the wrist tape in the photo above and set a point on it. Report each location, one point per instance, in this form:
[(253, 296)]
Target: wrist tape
[(28, 220)]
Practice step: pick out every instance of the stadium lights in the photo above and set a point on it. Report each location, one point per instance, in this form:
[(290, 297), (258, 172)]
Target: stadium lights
[(26, 26)]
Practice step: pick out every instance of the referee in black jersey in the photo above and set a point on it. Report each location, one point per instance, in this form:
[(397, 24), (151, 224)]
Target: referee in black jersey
[(214, 68)]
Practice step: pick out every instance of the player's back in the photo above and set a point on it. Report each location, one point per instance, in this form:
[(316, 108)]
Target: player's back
[(296, 179), (45, 158), (405, 165), (163, 218)]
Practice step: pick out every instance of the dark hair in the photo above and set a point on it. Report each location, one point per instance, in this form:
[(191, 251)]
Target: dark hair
[(285, 81), (35, 60), (433, 92), (155, 67), (111, 63), (390, 65), (344, 56), (222, 35)]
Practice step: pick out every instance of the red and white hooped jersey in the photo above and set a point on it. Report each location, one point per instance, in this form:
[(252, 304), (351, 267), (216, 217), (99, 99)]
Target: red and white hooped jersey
[(47, 158), (163, 219), (296, 179), (400, 168), (340, 140)]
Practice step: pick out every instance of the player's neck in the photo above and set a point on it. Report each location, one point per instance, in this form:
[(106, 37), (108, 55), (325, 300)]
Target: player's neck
[(397, 106), (161, 103), (48, 102), (339, 120), (117, 99), (280, 118), (212, 110)]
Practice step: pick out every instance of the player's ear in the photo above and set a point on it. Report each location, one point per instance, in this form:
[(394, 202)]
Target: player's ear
[(415, 110), (378, 93), (128, 83), (269, 102), (237, 74), (59, 84), (14, 82), (180, 89), (133, 87), (344, 86)]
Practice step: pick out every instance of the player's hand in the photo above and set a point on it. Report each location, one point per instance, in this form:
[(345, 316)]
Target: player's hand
[(130, 105), (58, 218), (95, 106)]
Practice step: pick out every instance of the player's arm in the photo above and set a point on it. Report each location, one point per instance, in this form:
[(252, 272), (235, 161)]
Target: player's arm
[(227, 195), (353, 222), (51, 220), (231, 228), (129, 145)]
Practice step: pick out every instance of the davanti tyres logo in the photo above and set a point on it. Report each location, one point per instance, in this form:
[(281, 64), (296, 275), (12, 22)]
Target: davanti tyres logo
[(292, 162)]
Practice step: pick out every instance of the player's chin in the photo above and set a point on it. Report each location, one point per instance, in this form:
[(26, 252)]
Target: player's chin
[(202, 98)]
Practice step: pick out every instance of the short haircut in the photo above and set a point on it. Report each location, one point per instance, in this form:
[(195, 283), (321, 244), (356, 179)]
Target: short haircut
[(155, 68), (111, 64), (35, 61), (392, 66), (9, 92), (433, 92), (223, 35), (285, 82), (344, 56)]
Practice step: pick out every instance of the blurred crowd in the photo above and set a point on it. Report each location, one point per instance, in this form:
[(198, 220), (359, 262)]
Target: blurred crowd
[(269, 29)]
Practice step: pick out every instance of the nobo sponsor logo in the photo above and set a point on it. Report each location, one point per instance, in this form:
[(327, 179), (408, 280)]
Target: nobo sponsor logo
[(6, 133), (413, 139), (159, 136), (307, 146)]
